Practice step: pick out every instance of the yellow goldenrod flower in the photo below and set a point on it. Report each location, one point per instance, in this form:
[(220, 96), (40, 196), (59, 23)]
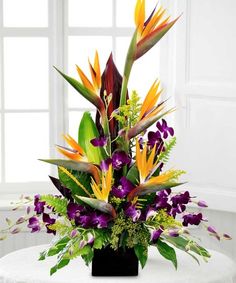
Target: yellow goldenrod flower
[(101, 191), (76, 153)]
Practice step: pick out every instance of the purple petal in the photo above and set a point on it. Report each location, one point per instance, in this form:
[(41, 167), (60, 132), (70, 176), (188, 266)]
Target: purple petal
[(227, 237), (119, 159), (155, 235), (202, 203), (211, 229), (34, 224), (100, 221), (73, 233), (104, 165), (47, 219), (132, 212), (101, 141), (171, 131), (73, 210)]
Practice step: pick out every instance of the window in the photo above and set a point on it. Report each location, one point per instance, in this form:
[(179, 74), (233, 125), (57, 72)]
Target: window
[(37, 106)]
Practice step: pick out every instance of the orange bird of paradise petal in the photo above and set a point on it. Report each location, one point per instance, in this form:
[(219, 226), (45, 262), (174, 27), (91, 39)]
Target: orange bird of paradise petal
[(102, 191), (150, 99), (76, 153), (95, 72)]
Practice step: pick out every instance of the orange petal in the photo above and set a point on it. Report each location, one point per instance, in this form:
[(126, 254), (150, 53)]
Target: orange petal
[(154, 21), (140, 15), (96, 67), (70, 154), (73, 143), (86, 82)]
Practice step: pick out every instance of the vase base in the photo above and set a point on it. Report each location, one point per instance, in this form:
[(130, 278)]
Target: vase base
[(107, 262)]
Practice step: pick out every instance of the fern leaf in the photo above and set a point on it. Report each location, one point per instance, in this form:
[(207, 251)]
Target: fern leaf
[(58, 204), (165, 155)]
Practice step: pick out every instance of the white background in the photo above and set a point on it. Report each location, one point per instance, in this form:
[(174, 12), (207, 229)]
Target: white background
[(195, 62)]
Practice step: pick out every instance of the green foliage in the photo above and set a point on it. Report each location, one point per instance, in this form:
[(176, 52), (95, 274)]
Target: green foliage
[(76, 187), (125, 232), (162, 218), (127, 114), (62, 228), (58, 204), (141, 253), (60, 264), (133, 175), (188, 246), (167, 252), (165, 155), (87, 132)]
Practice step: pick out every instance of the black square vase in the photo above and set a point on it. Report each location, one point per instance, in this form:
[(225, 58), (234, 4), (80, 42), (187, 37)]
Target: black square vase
[(108, 262)]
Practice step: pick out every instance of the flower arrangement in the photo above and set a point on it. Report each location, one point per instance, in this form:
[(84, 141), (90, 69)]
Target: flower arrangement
[(114, 188)]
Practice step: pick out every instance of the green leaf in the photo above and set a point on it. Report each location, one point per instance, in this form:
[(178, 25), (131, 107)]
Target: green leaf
[(186, 245), (75, 165), (99, 205), (164, 155), (88, 257), (62, 263), (141, 253), (58, 204), (83, 178), (87, 132), (167, 252), (133, 175)]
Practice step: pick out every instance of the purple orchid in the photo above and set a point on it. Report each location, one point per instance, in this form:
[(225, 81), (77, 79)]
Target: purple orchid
[(161, 200), (119, 159), (100, 141), (49, 221), (38, 205), (123, 189), (180, 199), (100, 220), (132, 212), (85, 221), (74, 210), (180, 208), (34, 224), (165, 129), (192, 219), (155, 235), (202, 203)]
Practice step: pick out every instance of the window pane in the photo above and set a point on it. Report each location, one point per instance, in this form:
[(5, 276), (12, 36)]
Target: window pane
[(125, 13), (25, 13), (74, 121), (26, 140), (26, 73), (90, 13), (80, 48), (145, 69)]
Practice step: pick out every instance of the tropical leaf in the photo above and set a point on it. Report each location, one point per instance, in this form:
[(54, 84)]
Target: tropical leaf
[(164, 155), (133, 175), (141, 253), (77, 166), (62, 189), (87, 132), (187, 245), (99, 205), (111, 83), (58, 204), (144, 189), (78, 182), (167, 252)]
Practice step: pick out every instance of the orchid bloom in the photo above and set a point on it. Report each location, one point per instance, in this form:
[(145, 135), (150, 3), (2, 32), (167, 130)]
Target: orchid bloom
[(76, 153), (101, 191), (95, 85), (150, 31)]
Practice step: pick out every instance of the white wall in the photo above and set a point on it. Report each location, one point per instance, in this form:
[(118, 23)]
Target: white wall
[(201, 75)]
